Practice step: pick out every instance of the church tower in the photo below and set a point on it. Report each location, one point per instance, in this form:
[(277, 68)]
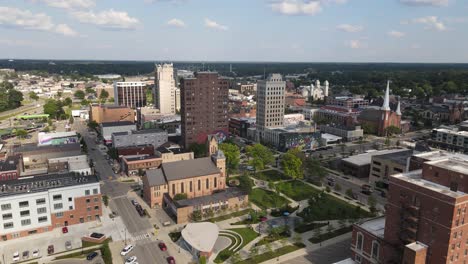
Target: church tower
[(212, 145), (385, 111), (219, 160), (325, 91)]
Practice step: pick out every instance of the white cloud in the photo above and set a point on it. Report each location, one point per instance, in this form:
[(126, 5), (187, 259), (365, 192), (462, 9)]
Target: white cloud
[(415, 46), (68, 4), (431, 22), (297, 7), (108, 19), (425, 2), (213, 24), (350, 28), (176, 22), (25, 19), (396, 34), (355, 44)]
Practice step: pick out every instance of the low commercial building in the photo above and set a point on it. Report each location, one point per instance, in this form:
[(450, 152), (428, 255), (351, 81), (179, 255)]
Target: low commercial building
[(108, 128), (111, 113), (348, 133), (136, 150), (154, 137), (450, 138), (359, 165), (9, 168), (200, 238), (133, 164), (240, 126), (384, 165), (57, 138), (284, 138), (78, 164), (33, 205)]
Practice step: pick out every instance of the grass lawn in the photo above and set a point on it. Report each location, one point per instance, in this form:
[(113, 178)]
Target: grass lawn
[(332, 234), (266, 199), (272, 254), (247, 235), (227, 216), (297, 190), (270, 175)]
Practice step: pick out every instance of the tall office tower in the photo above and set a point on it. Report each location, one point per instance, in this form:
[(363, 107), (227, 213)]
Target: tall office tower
[(131, 94), (270, 103), (177, 99), (204, 107), (164, 92)]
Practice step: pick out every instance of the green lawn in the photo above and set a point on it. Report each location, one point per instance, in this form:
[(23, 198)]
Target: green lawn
[(272, 254), (227, 216), (247, 235), (266, 199), (297, 190), (270, 175)]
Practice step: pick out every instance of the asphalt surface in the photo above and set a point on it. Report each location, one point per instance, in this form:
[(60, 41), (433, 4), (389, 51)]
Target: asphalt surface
[(325, 255)]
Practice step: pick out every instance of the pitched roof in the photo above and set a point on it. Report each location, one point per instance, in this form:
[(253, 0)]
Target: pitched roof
[(189, 168), (155, 177)]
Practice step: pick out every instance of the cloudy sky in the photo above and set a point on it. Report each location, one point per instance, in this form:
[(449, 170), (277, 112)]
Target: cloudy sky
[(236, 30)]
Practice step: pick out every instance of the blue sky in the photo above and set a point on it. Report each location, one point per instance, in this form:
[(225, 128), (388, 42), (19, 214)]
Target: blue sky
[(236, 30)]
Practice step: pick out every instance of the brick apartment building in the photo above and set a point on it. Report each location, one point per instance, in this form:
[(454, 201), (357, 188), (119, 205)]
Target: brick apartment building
[(425, 215), (39, 204), (9, 168), (204, 107), (111, 113)]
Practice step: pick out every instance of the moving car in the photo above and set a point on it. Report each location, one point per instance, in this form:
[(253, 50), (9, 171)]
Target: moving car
[(91, 255), (162, 246), (26, 254), (135, 203), (131, 260), (126, 250), (68, 245), (64, 229), (170, 260), (35, 253), (366, 189), (16, 256), (50, 249)]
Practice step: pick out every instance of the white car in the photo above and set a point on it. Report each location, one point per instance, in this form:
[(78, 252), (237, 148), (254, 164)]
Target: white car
[(16, 256), (35, 253), (131, 260), (126, 250)]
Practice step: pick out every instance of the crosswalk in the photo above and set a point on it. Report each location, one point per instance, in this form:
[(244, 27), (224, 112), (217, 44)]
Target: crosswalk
[(139, 237)]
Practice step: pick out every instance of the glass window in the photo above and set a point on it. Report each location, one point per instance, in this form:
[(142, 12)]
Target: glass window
[(70, 199), (24, 213), (25, 222), (95, 191), (58, 206), (6, 207), (42, 219), (359, 241), (375, 250), (87, 192), (57, 197), (40, 201), (23, 204), (7, 225), (58, 215), (42, 210), (7, 216)]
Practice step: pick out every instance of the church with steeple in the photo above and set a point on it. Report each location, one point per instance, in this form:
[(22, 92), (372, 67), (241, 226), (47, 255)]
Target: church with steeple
[(378, 119)]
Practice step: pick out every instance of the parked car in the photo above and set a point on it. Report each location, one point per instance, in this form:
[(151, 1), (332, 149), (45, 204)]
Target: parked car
[(170, 260), (35, 253), (91, 255), (16, 256), (126, 250), (26, 254), (131, 260), (68, 245), (366, 189), (167, 223), (162, 246), (64, 229), (50, 249), (135, 203)]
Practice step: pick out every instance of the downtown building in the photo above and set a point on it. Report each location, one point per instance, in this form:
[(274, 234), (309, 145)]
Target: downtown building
[(39, 204), (164, 92), (130, 94), (204, 107), (425, 215)]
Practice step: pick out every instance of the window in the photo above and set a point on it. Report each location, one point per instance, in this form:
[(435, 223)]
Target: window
[(7, 216), (58, 206), (25, 222), (199, 184), (96, 199), (375, 250), (87, 192), (215, 182), (182, 187), (57, 197), (40, 201), (42, 219), (96, 207), (58, 215), (190, 186), (88, 200), (24, 204), (24, 213), (42, 210), (70, 199), (359, 241), (7, 225), (173, 189), (207, 183), (95, 191), (6, 207), (70, 207), (358, 258), (88, 209)]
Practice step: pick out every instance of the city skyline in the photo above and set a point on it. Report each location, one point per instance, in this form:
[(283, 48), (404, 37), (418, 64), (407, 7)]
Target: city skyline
[(188, 30)]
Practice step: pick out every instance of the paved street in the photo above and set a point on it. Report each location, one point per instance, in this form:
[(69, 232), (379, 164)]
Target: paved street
[(325, 255)]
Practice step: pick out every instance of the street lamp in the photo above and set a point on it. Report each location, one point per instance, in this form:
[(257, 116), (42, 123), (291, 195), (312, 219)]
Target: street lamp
[(125, 230)]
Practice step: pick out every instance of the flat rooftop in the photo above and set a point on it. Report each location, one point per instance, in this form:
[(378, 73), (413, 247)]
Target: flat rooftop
[(374, 226), (365, 158), (43, 183), (47, 148), (440, 154), (415, 177), (208, 199), (452, 164), (416, 246), (119, 123), (397, 157)]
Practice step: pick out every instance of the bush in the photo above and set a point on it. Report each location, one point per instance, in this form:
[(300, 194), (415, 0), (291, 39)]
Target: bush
[(174, 236), (304, 227), (180, 196), (106, 254), (280, 211), (105, 200), (202, 260)]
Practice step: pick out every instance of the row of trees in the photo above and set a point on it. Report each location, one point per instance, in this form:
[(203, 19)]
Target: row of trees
[(9, 97)]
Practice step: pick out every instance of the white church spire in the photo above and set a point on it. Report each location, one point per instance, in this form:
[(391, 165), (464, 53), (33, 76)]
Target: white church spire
[(398, 109), (386, 103)]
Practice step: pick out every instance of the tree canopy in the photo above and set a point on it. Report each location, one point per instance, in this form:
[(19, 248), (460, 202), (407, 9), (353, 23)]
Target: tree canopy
[(79, 94), (259, 156), (232, 153), (9, 97), (33, 96), (54, 108), (292, 164)]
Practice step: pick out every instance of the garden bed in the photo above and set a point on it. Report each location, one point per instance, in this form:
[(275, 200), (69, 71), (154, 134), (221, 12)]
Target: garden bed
[(329, 235)]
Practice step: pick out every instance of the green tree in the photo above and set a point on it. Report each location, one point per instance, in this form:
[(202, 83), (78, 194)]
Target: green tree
[(84, 102), (349, 193), (259, 156), (21, 133), (14, 98), (33, 96), (199, 150), (68, 102), (232, 153), (53, 108), (313, 169), (392, 130), (79, 94), (103, 96), (245, 183), (372, 202), (111, 100), (90, 90), (93, 124), (180, 196), (292, 165)]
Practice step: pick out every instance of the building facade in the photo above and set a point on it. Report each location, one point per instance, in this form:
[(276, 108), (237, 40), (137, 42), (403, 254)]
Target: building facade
[(40, 204), (164, 92), (367, 241), (154, 137), (270, 104), (111, 113), (108, 128), (130, 94), (382, 166), (204, 107), (449, 138), (9, 168)]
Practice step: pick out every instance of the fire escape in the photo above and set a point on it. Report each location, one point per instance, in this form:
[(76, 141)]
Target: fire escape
[(409, 223)]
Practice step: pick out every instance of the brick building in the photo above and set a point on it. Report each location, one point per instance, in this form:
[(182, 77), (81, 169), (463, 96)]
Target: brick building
[(204, 107), (111, 113), (9, 168)]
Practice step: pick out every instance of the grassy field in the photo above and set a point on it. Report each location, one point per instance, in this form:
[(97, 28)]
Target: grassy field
[(227, 216), (270, 175), (247, 235), (297, 190), (266, 199)]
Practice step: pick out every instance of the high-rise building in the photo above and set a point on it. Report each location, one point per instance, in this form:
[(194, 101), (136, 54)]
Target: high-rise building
[(177, 99), (204, 107), (164, 92), (270, 103), (131, 94)]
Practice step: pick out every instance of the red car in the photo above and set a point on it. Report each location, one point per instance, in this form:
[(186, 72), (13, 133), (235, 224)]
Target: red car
[(263, 219), (162, 246), (64, 229), (171, 260)]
